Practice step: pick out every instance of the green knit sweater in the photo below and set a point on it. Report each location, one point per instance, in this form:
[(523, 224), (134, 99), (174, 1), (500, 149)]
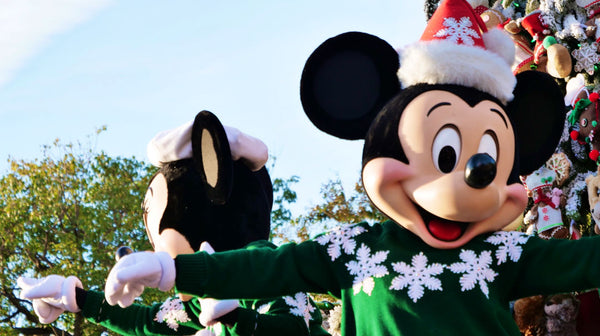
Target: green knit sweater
[(295, 314), (392, 283), (174, 317)]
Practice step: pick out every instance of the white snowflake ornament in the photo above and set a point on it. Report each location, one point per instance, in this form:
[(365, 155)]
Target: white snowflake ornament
[(365, 268), (172, 313), (586, 57), (340, 239), (417, 277), (456, 31), (476, 270), (300, 306), (510, 245)]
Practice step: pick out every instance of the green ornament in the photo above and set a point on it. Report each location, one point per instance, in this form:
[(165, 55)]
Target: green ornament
[(594, 123), (533, 66), (548, 41), (587, 139)]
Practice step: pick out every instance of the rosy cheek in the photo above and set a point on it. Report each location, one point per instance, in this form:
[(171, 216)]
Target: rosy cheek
[(516, 193)]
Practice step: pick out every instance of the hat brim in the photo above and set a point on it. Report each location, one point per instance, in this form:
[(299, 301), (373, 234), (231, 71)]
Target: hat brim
[(445, 62)]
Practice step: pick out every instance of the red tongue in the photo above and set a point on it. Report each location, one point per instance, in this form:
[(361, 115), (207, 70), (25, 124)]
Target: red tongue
[(445, 230)]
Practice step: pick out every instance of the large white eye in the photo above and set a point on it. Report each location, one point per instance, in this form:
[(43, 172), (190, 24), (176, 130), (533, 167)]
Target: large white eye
[(489, 145), (446, 149)]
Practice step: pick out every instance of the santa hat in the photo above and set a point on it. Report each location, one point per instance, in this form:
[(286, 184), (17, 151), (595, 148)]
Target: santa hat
[(457, 48), (480, 6), (534, 24), (542, 177), (574, 86), (587, 4)]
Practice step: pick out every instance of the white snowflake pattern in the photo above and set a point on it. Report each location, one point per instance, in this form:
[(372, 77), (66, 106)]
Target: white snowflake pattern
[(300, 306), (365, 268), (586, 56), (510, 245), (476, 270), (461, 30), (172, 313), (263, 309), (417, 276), (340, 238)]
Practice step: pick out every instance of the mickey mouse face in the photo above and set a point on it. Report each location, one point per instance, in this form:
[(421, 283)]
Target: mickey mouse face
[(454, 185), (441, 159), (155, 203)]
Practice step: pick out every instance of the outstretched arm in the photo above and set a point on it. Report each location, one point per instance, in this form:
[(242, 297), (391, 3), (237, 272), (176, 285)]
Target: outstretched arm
[(248, 273), (259, 272), (171, 317)]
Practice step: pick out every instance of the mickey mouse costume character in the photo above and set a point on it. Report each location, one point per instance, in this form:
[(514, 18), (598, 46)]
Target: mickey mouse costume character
[(447, 135), (211, 191)]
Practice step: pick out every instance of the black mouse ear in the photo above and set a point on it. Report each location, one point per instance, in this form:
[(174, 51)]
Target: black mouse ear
[(346, 81), (212, 156), (538, 115)]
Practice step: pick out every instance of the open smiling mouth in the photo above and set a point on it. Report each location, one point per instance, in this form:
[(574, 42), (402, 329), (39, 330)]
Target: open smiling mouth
[(442, 229)]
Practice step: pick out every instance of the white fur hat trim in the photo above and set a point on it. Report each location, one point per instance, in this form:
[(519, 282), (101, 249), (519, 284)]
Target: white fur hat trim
[(445, 62)]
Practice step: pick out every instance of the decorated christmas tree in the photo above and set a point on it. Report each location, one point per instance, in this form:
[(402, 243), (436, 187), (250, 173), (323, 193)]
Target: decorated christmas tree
[(560, 37)]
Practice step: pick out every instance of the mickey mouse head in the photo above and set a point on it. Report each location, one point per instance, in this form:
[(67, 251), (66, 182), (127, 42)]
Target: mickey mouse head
[(200, 193), (448, 128)]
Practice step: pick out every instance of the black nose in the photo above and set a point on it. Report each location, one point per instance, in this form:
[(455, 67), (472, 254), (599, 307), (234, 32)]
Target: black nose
[(480, 170)]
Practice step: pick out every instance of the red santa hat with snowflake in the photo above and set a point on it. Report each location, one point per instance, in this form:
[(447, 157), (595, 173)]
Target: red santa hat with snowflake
[(457, 48)]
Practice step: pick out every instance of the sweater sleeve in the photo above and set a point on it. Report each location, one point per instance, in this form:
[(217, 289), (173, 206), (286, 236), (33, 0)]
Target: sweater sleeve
[(138, 320), (259, 272), (296, 315), (557, 266), (265, 318)]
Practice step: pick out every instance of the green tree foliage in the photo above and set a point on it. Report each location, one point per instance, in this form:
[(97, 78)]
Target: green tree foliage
[(283, 197), (66, 214), (337, 207), (69, 211)]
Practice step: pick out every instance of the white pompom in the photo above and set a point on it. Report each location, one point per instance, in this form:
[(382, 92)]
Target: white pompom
[(497, 40)]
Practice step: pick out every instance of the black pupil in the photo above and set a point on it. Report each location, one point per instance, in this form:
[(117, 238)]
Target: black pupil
[(447, 159)]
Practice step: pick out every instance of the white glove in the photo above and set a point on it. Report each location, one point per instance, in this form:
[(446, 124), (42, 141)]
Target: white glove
[(212, 309), (51, 295), (205, 332), (133, 272)]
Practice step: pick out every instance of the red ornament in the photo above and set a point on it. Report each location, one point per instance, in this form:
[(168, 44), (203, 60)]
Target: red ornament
[(594, 97), (574, 135), (594, 154)]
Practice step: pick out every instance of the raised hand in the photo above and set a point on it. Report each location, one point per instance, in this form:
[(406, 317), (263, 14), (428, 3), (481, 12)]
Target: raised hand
[(133, 272), (51, 295)]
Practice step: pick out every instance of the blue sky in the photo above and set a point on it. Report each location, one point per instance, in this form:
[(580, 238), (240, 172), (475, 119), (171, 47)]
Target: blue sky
[(68, 67)]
